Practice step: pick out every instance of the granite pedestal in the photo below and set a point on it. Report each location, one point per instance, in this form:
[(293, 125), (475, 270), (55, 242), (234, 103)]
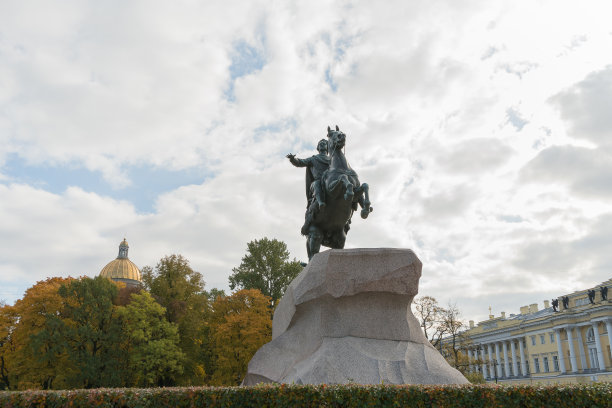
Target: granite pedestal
[(346, 318)]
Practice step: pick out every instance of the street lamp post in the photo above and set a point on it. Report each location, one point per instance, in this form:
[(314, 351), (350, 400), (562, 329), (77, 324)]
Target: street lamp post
[(495, 363)]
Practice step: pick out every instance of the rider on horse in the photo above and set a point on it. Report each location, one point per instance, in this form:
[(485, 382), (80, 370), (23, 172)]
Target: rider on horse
[(315, 167)]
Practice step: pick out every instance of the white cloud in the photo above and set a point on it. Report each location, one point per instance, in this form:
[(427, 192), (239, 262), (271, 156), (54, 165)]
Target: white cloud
[(480, 133)]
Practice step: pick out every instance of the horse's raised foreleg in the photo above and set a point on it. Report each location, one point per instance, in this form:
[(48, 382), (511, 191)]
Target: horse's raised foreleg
[(345, 183), (364, 200), (348, 188)]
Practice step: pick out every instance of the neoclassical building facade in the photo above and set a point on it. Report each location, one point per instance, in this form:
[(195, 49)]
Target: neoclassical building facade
[(570, 344)]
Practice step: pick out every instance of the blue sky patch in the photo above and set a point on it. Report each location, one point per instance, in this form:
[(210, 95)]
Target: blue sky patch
[(330, 80), (515, 119), (148, 181), (246, 60)]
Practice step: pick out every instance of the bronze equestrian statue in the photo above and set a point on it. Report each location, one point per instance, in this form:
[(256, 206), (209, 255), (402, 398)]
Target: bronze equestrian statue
[(333, 191)]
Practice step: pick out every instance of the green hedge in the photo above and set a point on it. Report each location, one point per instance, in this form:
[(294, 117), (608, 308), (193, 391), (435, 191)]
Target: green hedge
[(595, 395)]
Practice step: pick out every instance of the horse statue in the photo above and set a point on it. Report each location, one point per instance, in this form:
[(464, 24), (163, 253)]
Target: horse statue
[(328, 224)]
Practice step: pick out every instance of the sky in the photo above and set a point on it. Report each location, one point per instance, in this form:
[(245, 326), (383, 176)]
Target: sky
[(483, 128)]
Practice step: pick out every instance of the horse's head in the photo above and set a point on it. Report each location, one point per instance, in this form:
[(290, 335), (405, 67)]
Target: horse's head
[(337, 139)]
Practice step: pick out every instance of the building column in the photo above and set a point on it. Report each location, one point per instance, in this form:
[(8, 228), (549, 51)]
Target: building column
[(491, 366), (522, 354), (609, 328), (581, 349), (600, 356), (560, 351), (514, 364), (570, 343), (498, 364), (485, 368), (506, 359), (469, 356)]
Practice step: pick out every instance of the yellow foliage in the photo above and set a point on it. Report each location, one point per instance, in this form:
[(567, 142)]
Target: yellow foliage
[(25, 369), (240, 325)]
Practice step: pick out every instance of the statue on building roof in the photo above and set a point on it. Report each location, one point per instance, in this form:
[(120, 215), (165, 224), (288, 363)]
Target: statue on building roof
[(591, 293), (555, 305), (604, 292), (565, 301)]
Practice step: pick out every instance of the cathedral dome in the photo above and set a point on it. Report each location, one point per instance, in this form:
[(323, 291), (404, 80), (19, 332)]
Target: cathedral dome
[(122, 269)]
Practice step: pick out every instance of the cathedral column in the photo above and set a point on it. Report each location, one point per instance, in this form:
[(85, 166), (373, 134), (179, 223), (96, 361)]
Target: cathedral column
[(514, 363), (570, 343), (600, 356), (506, 359), (560, 351)]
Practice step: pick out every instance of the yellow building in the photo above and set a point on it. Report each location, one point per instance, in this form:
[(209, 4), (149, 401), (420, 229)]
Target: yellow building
[(571, 344), (122, 269)]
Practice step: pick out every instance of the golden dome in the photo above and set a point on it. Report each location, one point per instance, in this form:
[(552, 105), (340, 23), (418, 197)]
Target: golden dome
[(122, 268)]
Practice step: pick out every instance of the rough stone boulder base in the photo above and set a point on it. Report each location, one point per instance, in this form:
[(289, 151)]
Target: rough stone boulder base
[(346, 318)]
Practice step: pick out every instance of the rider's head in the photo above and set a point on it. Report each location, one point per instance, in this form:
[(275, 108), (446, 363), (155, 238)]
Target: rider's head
[(322, 146)]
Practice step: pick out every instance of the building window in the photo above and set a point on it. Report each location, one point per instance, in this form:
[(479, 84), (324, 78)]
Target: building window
[(556, 363), (533, 340), (546, 369), (593, 358), (590, 335), (542, 339), (536, 364), (524, 342), (552, 337)]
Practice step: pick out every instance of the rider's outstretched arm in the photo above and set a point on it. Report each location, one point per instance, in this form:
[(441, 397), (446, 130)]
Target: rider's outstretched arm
[(298, 162)]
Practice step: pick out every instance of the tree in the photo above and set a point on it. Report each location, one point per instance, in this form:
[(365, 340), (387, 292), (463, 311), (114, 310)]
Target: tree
[(124, 296), (214, 293), (35, 358), (180, 289), (240, 325), (152, 342), (174, 284), (452, 325), (429, 313), (90, 332), (8, 319), (265, 267)]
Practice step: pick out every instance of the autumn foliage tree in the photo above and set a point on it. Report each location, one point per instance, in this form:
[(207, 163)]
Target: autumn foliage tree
[(240, 325), (31, 359), (7, 325)]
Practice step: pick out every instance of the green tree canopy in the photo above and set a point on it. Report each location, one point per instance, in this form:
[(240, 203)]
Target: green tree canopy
[(266, 267), (91, 333), (175, 285), (180, 289), (152, 343)]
